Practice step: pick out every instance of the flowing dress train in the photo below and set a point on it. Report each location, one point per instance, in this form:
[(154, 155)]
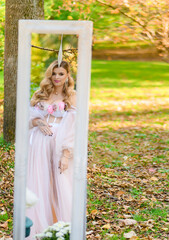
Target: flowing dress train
[(53, 189)]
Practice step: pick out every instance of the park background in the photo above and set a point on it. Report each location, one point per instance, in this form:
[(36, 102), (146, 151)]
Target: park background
[(128, 147)]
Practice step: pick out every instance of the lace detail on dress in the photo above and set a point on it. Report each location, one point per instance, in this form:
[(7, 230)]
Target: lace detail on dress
[(51, 107), (56, 109)]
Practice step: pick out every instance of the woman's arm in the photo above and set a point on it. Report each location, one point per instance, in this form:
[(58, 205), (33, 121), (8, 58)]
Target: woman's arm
[(39, 122), (35, 122), (67, 148), (43, 126), (64, 161), (66, 153)]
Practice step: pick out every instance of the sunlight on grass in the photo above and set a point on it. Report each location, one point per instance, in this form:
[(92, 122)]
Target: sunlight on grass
[(120, 74), (135, 93)]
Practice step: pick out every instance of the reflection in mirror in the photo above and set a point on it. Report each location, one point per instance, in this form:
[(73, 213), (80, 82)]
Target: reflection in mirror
[(51, 134)]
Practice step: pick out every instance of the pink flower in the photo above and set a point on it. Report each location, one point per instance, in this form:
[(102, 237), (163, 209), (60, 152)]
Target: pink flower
[(54, 107), (50, 109), (61, 105)]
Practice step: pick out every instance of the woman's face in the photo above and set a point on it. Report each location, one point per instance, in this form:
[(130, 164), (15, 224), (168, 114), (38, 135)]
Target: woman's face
[(59, 76)]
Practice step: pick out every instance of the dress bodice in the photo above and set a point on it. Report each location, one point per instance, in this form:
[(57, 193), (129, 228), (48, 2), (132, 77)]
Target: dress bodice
[(55, 109), (43, 109)]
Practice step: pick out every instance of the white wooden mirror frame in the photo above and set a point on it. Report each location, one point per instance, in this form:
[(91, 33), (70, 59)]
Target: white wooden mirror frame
[(84, 30)]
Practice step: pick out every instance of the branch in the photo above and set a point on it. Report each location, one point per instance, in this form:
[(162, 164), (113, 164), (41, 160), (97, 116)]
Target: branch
[(149, 34), (53, 50)]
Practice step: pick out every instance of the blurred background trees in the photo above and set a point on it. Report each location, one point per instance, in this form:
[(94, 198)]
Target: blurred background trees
[(14, 10)]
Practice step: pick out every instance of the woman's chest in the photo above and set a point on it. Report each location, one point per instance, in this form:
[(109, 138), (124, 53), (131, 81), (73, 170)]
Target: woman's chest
[(50, 107), (56, 109)]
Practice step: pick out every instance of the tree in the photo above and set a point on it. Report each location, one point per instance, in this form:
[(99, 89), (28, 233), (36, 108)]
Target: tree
[(15, 10), (137, 19), (2, 23), (146, 18), (121, 20)]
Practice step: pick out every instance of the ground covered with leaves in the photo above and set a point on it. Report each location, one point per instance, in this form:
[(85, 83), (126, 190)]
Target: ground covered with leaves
[(128, 149), (128, 170)]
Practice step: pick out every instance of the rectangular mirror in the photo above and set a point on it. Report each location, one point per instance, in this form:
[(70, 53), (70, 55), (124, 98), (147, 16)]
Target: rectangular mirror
[(83, 30)]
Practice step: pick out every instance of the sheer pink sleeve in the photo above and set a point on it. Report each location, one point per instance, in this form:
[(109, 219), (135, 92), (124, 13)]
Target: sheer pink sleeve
[(66, 133), (34, 113)]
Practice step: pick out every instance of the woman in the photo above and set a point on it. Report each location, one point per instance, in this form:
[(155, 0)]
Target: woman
[(51, 143)]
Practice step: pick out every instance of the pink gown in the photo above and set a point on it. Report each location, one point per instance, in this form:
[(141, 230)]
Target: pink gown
[(53, 189)]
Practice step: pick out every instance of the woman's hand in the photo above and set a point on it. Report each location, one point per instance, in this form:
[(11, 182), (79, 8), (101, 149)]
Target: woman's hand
[(44, 127), (63, 163)]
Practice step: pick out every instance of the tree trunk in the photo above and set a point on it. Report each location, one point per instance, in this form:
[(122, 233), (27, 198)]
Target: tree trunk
[(15, 10)]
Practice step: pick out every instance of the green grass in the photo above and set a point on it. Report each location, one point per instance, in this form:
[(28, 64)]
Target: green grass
[(129, 108), (136, 192), (6, 146), (154, 213), (129, 75), (4, 217)]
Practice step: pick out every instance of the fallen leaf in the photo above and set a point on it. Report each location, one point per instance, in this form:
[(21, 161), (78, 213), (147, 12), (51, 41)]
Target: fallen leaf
[(89, 232), (134, 238), (153, 199), (125, 207), (143, 198), (153, 178), (127, 222), (3, 213), (130, 198), (4, 225), (130, 221), (165, 229), (127, 216), (130, 234), (107, 226), (119, 193), (93, 212)]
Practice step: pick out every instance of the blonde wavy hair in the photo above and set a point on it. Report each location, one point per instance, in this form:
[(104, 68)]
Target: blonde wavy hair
[(46, 85)]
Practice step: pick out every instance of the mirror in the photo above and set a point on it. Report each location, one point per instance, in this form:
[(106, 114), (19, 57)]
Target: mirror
[(57, 129), (51, 130)]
